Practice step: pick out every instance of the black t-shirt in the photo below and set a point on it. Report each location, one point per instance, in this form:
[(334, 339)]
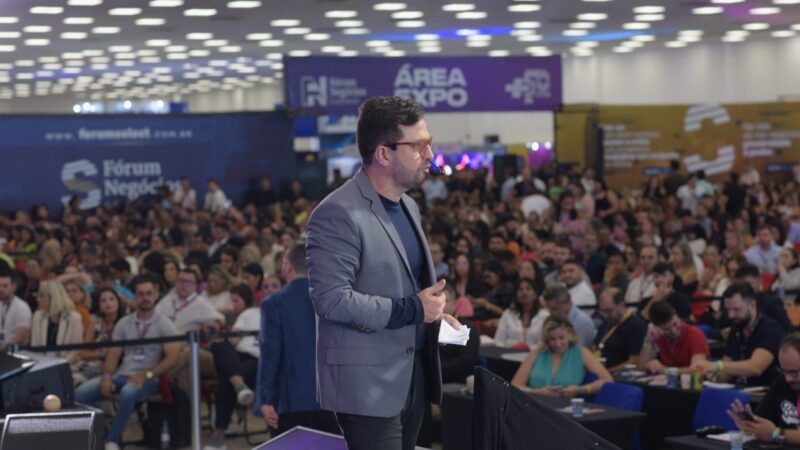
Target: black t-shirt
[(626, 340), (780, 405), (766, 335)]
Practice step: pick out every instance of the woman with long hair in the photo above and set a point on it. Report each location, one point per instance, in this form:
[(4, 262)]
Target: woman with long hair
[(683, 261), (558, 366), (56, 322), (218, 283), (107, 308), (520, 325), (76, 290), (466, 283)]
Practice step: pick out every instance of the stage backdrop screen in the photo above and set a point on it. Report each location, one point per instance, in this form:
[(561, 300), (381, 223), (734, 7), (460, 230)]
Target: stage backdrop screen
[(105, 159), (334, 85)]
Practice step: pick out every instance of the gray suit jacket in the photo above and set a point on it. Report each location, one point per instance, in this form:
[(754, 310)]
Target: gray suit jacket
[(356, 265)]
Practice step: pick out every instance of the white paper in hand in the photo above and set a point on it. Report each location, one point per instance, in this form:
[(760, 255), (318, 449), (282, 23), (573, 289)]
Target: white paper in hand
[(449, 335)]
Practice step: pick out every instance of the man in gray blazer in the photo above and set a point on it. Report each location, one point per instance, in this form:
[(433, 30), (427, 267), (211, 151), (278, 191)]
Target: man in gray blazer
[(376, 298)]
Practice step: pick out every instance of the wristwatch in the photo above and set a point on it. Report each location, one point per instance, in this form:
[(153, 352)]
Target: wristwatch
[(149, 374)]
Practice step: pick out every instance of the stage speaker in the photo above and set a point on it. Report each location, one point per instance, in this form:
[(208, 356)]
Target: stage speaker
[(68, 430), (24, 392), (503, 162)]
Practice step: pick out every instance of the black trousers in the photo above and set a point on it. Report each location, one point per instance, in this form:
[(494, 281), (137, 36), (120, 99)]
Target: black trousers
[(229, 362), (389, 433), (316, 420)]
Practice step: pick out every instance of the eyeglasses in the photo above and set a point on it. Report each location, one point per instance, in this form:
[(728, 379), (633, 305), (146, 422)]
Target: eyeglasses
[(419, 146), (792, 373)]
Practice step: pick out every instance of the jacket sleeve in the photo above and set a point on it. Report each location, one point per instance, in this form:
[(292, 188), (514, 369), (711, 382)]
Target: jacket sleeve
[(334, 258), (271, 345)]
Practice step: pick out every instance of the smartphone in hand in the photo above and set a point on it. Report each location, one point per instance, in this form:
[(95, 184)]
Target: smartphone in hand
[(746, 415)]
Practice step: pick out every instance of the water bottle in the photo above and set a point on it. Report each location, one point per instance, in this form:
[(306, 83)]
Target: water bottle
[(164, 435), (737, 440)]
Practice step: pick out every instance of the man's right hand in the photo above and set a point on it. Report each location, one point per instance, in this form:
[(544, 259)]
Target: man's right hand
[(433, 300), (107, 388)]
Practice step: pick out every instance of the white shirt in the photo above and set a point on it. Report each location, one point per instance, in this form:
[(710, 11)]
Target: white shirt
[(509, 330), (640, 287), (249, 320), (582, 295), (14, 315), (190, 314), (187, 200), (535, 202), (215, 201), (222, 301)]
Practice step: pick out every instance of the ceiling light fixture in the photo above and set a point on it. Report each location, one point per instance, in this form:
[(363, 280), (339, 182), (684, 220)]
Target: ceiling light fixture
[(340, 14), (47, 10), (200, 12), (124, 11), (389, 6), (471, 15)]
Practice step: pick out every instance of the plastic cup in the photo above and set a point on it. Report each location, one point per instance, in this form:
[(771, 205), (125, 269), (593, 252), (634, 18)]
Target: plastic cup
[(577, 407)]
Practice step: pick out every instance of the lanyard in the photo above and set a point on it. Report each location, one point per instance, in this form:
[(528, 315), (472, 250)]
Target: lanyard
[(142, 330), (180, 307), (613, 329)]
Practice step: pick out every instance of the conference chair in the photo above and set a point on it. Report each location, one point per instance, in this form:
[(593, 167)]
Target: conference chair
[(713, 406), (622, 396)]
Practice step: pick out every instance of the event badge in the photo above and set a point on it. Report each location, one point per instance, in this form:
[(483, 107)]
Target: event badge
[(138, 354)]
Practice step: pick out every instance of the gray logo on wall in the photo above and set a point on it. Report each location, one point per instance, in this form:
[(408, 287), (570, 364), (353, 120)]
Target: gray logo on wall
[(313, 91), (533, 84)]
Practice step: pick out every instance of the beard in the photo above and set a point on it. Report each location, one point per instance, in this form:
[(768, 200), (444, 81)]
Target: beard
[(409, 179), (146, 305), (741, 324)]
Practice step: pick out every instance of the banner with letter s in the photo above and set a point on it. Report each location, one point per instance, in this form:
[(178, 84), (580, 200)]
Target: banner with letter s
[(104, 159), (334, 85)]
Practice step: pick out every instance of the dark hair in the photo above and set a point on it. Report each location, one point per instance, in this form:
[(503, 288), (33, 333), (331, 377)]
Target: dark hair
[(675, 164), (557, 293), (747, 270), (661, 312), (194, 274), (615, 252), (120, 264), (104, 270), (7, 272), (574, 262), (244, 291), (663, 268), (379, 120), (231, 251), (515, 304), (741, 288), (121, 305), (256, 270), (297, 258), (146, 278)]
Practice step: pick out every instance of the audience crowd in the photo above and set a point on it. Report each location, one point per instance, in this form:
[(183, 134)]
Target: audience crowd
[(587, 278)]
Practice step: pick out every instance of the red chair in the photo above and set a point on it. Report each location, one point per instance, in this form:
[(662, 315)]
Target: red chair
[(766, 280)]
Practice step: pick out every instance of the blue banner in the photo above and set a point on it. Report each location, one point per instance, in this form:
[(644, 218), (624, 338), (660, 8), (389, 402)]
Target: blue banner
[(103, 159), (334, 85)]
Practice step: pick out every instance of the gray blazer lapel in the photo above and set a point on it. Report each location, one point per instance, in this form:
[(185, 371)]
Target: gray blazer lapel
[(380, 212)]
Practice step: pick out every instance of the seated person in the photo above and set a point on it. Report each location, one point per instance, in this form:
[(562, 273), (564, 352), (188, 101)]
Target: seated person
[(769, 304), (16, 324), (137, 377), (458, 362), (619, 339), (56, 322), (752, 348), (558, 301), (573, 276), (499, 294), (664, 278), (236, 361), (218, 283), (521, 324), (559, 365), (775, 419), (189, 311), (109, 308), (671, 342)]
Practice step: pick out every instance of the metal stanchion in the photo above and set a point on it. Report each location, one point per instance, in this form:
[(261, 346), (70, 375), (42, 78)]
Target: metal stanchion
[(194, 366)]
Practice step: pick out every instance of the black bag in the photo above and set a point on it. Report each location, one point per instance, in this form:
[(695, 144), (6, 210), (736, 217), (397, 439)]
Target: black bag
[(178, 418)]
